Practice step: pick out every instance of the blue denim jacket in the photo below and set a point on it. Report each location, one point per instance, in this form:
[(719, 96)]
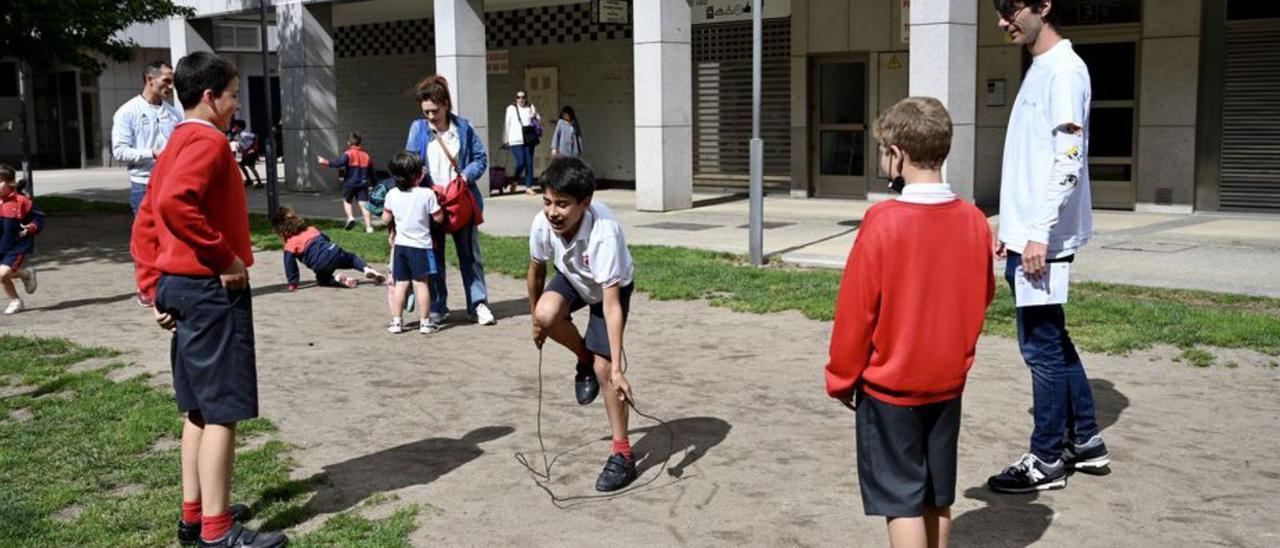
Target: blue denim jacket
[(471, 152)]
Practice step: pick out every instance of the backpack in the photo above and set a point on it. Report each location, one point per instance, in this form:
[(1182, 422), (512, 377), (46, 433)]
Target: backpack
[(378, 196)]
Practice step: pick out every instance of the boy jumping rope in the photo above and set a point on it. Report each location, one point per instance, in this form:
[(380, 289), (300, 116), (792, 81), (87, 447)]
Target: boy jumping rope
[(191, 245), (911, 305), (585, 241)]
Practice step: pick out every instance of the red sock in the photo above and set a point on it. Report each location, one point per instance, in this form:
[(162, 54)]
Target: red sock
[(191, 512), (214, 527), (623, 446), (584, 355)]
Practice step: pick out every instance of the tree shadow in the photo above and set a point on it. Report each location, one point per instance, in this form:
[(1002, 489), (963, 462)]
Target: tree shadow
[(343, 485), (693, 435), (1006, 520), (64, 305)]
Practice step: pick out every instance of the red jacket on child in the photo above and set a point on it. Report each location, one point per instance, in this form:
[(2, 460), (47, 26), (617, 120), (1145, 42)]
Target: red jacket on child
[(912, 302), (194, 220)]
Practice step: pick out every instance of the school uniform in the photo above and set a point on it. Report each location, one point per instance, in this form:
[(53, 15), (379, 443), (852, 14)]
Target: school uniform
[(412, 257), (319, 254), (911, 306), (192, 225), (594, 259), (18, 212), (355, 187)]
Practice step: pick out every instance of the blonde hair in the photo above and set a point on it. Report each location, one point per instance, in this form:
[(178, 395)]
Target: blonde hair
[(921, 127)]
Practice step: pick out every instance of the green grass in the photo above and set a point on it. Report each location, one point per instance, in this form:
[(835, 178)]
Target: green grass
[(1102, 317), (86, 470)]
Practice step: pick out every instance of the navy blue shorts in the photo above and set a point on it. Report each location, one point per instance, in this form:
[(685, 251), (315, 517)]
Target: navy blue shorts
[(906, 456), (13, 259), (355, 193), (412, 263), (597, 335), (214, 368)]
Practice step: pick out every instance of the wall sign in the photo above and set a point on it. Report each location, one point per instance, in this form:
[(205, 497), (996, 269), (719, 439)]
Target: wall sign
[(610, 12), (996, 92), (905, 22), (719, 11), (497, 61)]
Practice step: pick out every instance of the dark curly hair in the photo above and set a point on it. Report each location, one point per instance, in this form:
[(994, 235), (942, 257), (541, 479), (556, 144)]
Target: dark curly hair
[(286, 222)]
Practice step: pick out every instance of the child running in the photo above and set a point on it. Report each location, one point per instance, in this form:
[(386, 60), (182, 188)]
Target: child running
[(355, 188), (20, 220), (585, 241), (411, 208), (911, 305), (313, 248)]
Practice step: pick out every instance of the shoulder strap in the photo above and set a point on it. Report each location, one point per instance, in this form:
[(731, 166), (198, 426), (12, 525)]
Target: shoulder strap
[(452, 161)]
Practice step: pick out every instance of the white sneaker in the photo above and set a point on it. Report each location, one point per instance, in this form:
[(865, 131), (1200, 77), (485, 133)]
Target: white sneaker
[(368, 230), (396, 327), (15, 306), (29, 283), (484, 316), (428, 327)]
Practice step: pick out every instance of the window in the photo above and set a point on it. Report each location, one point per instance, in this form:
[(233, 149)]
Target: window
[(8, 79), (1113, 72)]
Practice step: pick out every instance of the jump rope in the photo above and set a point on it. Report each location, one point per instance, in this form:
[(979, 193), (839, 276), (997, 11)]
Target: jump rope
[(543, 477)]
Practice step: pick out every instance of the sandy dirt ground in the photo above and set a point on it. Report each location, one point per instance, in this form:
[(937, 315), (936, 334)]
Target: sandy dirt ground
[(760, 455)]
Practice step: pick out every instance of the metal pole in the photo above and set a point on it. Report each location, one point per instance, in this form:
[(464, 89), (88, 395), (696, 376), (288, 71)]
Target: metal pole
[(756, 216), (273, 196), (24, 137)]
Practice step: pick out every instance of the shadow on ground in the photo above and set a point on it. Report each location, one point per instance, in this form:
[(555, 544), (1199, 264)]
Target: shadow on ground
[(344, 485), (1018, 520), (693, 435)]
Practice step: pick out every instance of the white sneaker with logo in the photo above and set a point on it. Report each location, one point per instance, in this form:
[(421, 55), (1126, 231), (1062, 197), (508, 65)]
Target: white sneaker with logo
[(484, 316), (15, 306), (396, 327)]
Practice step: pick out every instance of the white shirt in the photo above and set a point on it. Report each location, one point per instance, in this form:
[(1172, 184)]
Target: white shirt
[(927, 193), (137, 129), (1044, 187), (442, 172), (412, 211), (512, 134), (594, 259)]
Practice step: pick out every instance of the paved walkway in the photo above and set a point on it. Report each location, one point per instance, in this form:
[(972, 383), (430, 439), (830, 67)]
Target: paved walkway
[(1226, 253)]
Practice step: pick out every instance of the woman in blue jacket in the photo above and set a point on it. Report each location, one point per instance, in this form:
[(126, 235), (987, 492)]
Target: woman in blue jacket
[(458, 139)]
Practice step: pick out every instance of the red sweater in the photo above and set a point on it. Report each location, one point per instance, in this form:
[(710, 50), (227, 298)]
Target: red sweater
[(912, 301), (194, 220)]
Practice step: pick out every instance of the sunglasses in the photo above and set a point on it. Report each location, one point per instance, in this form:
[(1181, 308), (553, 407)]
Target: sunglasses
[(1009, 12)]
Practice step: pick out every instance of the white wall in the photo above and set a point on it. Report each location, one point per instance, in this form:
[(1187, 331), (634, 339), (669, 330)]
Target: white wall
[(374, 98)]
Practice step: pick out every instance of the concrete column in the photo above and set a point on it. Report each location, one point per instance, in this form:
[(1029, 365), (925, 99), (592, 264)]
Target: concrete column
[(664, 105), (1167, 106), (308, 95), (186, 37), (944, 45), (460, 57)]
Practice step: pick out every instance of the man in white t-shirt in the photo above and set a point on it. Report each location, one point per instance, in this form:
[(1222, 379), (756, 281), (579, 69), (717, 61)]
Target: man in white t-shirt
[(594, 269), (412, 208), (1045, 217)]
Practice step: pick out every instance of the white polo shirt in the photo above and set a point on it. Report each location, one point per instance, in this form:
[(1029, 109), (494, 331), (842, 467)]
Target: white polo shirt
[(1044, 182), (412, 211), (594, 259)]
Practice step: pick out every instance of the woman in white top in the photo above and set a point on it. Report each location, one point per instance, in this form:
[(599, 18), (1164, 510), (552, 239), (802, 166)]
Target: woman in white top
[(519, 133)]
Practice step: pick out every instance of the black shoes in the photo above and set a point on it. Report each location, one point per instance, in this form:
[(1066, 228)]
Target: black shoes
[(239, 537), (585, 385), (189, 533), (1090, 457), (351, 223), (619, 471), (1030, 474)]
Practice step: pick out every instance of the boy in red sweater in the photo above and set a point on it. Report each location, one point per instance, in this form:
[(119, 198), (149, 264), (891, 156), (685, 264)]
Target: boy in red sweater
[(911, 305), (191, 246)]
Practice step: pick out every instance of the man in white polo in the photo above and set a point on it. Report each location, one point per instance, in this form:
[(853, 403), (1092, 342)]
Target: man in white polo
[(139, 130)]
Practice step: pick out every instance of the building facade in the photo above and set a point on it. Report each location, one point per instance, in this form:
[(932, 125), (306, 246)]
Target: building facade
[(1186, 92)]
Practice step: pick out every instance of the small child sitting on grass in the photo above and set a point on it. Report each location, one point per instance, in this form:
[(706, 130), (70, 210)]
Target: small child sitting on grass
[(20, 220), (313, 248)]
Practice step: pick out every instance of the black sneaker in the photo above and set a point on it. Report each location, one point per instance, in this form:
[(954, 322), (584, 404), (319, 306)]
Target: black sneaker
[(619, 471), (351, 223), (239, 537), (1090, 457), (585, 384), (1029, 474), (189, 533)]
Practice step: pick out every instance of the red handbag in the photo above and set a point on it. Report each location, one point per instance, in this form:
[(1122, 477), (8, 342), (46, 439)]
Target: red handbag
[(456, 200)]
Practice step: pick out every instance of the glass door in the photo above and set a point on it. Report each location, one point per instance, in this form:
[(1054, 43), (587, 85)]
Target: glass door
[(839, 108)]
